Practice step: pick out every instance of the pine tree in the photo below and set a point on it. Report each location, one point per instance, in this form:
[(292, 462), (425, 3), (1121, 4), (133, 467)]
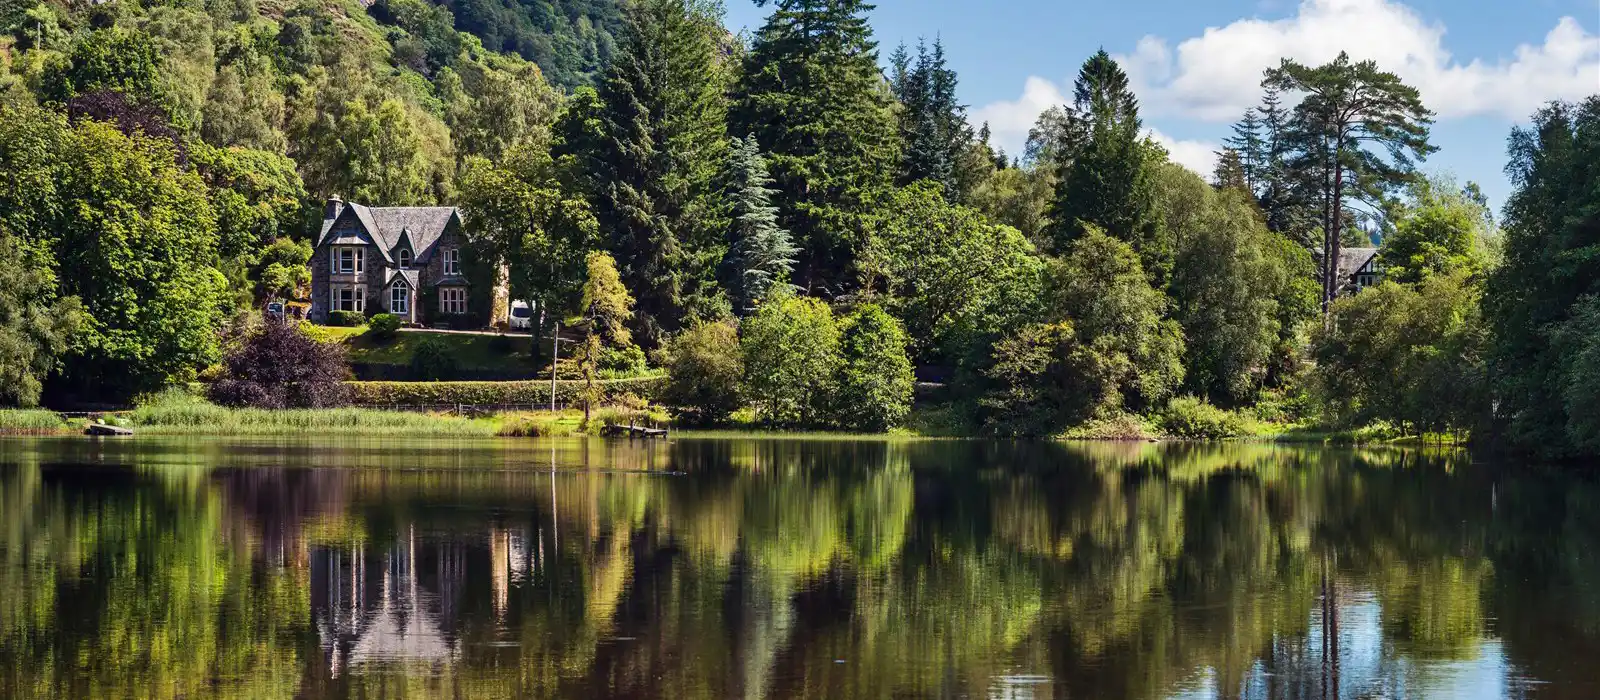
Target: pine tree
[(1108, 183), (1347, 109), (933, 125), (760, 254), (814, 97), (650, 157)]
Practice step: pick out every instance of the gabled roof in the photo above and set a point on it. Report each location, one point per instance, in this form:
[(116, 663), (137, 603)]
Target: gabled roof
[(420, 227), (1351, 260), (409, 276)]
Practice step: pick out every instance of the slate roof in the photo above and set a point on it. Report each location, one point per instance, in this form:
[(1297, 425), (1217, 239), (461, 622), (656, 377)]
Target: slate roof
[(388, 225), (411, 277)]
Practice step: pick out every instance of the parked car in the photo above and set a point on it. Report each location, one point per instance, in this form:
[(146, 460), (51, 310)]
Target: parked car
[(521, 316)]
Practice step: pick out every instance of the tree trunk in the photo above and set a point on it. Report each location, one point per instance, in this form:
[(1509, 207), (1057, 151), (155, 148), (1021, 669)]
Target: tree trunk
[(1338, 219), (1329, 266)]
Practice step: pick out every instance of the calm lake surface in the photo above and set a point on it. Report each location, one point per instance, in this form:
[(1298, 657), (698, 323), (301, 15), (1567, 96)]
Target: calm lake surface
[(707, 568)]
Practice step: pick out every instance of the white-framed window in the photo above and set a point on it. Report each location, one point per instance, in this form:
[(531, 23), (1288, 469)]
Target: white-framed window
[(404, 258), (399, 299), (453, 300), (349, 261), (349, 299), (452, 261)]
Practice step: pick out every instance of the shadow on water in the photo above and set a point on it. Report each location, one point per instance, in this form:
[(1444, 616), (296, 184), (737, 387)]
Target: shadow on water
[(723, 568)]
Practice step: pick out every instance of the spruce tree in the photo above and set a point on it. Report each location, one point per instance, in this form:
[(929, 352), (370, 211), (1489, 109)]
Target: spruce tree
[(1283, 187), (933, 125), (1108, 182), (649, 158), (760, 253), (813, 95), (1249, 148), (1230, 171)]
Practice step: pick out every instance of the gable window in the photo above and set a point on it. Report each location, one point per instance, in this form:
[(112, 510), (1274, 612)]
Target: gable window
[(405, 258), (452, 261), (349, 299), (399, 299), (349, 261), (453, 300)]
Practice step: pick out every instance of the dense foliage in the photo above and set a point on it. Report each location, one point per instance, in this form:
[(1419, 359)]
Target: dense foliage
[(874, 385), (812, 93), (705, 370), (791, 352), (791, 224), (35, 324), (279, 366), (1410, 355), (1541, 302)]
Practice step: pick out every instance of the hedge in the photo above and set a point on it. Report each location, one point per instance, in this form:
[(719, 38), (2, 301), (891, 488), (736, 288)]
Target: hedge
[(492, 393)]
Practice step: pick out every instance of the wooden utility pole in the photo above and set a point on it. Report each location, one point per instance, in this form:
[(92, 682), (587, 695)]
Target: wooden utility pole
[(555, 358)]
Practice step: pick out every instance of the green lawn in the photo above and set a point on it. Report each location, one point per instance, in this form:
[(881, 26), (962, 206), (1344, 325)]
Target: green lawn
[(472, 352)]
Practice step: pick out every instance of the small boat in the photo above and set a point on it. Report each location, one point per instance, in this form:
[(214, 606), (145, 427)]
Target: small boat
[(103, 430)]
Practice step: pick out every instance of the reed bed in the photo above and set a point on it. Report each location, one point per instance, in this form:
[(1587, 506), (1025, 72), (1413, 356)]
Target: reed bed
[(188, 415), (27, 421)]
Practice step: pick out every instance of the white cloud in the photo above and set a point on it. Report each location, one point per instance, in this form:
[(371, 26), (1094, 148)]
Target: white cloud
[(1009, 121), (1216, 75), (1199, 156)]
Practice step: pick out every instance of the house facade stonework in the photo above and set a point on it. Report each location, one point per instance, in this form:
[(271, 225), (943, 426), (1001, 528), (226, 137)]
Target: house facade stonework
[(408, 261)]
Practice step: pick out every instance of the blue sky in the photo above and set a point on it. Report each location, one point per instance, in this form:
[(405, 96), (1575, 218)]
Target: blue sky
[(1482, 66)]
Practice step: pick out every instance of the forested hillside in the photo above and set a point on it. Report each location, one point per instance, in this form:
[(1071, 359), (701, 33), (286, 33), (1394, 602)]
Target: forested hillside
[(794, 226), (571, 40)]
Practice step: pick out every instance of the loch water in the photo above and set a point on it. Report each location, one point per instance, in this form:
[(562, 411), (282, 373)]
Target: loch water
[(390, 567)]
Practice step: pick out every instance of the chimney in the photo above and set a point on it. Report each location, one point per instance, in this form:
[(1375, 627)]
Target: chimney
[(335, 205)]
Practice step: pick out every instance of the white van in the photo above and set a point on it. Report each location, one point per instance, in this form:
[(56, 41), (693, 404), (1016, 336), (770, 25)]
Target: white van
[(521, 316)]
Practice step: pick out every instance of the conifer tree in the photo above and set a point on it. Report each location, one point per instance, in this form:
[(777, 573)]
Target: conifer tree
[(650, 159), (1248, 148), (1348, 108), (1230, 171), (1108, 183), (813, 95), (760, 254), (933, 125), (1282, 185)]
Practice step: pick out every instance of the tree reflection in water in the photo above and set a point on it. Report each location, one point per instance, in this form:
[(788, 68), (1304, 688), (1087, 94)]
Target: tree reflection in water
[(788, 568)]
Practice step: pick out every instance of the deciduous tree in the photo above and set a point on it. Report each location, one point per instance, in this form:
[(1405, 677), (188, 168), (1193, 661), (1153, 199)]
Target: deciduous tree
[(791, 357), (873, 390)]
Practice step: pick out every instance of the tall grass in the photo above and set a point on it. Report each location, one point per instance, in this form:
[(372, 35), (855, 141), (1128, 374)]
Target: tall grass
[(180, 414), (540, 424), (30, 421)]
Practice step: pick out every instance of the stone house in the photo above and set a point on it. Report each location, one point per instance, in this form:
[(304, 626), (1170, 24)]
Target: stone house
[(408, 261)]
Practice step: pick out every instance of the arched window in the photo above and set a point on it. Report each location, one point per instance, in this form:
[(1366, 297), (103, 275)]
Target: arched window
[(405, 258)]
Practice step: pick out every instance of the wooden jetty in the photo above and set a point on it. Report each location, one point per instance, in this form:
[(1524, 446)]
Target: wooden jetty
[(103, 430), (633, 431)]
